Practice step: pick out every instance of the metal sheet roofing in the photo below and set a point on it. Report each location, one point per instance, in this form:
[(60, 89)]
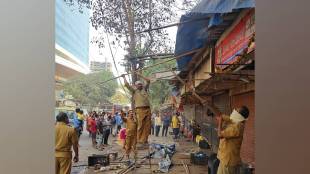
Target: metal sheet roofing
[(209, 19)]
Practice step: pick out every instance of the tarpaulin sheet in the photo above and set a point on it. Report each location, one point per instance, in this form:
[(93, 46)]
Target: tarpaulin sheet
[(193, 35), (221, 6)]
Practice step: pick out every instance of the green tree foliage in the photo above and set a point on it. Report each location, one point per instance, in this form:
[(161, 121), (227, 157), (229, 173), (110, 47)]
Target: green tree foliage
[(89, 89), (120, 98), (160, 89), (122, 18)]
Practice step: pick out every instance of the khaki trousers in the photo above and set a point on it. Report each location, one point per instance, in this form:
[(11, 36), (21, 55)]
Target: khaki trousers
[(222, 169), (63, 165), (144, 124), (130, 143)]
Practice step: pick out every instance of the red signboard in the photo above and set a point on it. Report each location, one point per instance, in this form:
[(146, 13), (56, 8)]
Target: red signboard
[(236, 40)]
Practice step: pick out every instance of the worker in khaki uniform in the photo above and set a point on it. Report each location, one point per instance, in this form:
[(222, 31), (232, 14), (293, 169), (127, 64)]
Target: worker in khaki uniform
[(131, 132), (142, 108), (230, 132), (65, 138)]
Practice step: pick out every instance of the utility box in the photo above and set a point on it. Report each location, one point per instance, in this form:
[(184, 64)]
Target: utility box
[(102, 160)]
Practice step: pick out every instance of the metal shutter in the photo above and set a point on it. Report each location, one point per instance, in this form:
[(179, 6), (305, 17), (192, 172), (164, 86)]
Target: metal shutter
[(222, 102), (189, 112), (248, 144)]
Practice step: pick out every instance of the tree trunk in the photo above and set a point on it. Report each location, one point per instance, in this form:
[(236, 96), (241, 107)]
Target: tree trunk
[(132, 39)]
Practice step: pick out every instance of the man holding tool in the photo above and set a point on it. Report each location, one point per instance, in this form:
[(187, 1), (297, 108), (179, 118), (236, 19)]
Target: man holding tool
[(142, 108), (230, 132)]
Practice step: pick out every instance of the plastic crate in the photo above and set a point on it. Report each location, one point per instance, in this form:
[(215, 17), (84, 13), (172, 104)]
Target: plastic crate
[(199, 158)]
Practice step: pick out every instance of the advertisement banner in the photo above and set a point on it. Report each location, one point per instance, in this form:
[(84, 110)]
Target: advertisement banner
[(236, 40)]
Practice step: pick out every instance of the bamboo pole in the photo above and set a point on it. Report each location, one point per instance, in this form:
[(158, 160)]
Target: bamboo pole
[(202, 101), (159, 63), (153, 55), (172, 25)]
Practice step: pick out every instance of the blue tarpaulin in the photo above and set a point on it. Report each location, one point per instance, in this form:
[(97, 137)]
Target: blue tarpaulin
[(193, 35)]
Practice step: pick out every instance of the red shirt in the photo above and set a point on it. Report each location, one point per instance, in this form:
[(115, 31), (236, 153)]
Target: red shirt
[(88, 123), (122, 134), (93, 126)]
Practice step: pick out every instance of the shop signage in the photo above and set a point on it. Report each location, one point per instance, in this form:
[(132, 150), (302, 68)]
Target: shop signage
[(236, 40)]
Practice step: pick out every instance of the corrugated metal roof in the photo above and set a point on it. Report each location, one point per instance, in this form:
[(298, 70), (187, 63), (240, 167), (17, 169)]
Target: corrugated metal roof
[(218, 15)]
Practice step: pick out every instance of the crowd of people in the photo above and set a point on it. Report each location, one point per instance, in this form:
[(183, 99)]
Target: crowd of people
[(101, 125), (139, 124), (162, 122)]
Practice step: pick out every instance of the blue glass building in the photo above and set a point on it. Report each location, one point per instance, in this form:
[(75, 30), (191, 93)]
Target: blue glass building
[(72, 30)]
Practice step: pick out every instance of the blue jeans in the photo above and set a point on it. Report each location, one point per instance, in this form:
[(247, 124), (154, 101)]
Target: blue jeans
[(165, 130), (157, 129), (176, 132), (152, 129)]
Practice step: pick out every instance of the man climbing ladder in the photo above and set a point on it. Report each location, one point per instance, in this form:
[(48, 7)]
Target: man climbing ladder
[(142, 109)]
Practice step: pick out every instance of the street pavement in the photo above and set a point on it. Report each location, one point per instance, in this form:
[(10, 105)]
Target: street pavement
[(182, 146)]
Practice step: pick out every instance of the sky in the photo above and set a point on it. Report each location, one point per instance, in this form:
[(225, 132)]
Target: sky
[(103, 54)]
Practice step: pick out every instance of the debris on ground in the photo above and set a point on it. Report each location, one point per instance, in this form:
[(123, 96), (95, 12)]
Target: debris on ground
[(160, 151), (164, 153), (164, 164), (147, 160), (111, 167), (186, 168)]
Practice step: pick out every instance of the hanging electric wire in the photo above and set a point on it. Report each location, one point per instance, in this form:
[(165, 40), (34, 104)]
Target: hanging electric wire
[(159, 63), (114, 62)]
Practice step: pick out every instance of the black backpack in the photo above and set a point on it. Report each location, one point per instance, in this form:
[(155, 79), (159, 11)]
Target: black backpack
[(203, 144)]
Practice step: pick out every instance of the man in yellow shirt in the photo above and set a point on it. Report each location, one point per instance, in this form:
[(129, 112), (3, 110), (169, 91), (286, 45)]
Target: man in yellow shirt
[(175, 124), (80, 115), (65, 138), (142, 108), (230, 132), (157, 124)]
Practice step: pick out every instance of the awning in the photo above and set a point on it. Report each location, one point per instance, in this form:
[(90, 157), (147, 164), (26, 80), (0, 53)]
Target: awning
[(165, 75), (206, 14)]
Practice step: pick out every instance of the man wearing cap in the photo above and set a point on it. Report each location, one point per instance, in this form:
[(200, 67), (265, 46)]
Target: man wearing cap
[(230, 132), (142, 108)]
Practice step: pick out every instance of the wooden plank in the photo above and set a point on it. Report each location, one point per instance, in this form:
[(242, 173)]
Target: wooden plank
[(242, 89)]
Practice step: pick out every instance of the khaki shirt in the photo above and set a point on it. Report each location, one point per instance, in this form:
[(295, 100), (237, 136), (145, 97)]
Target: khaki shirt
[(65, 138), (230, 144), (140, 97), (131, 126)]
